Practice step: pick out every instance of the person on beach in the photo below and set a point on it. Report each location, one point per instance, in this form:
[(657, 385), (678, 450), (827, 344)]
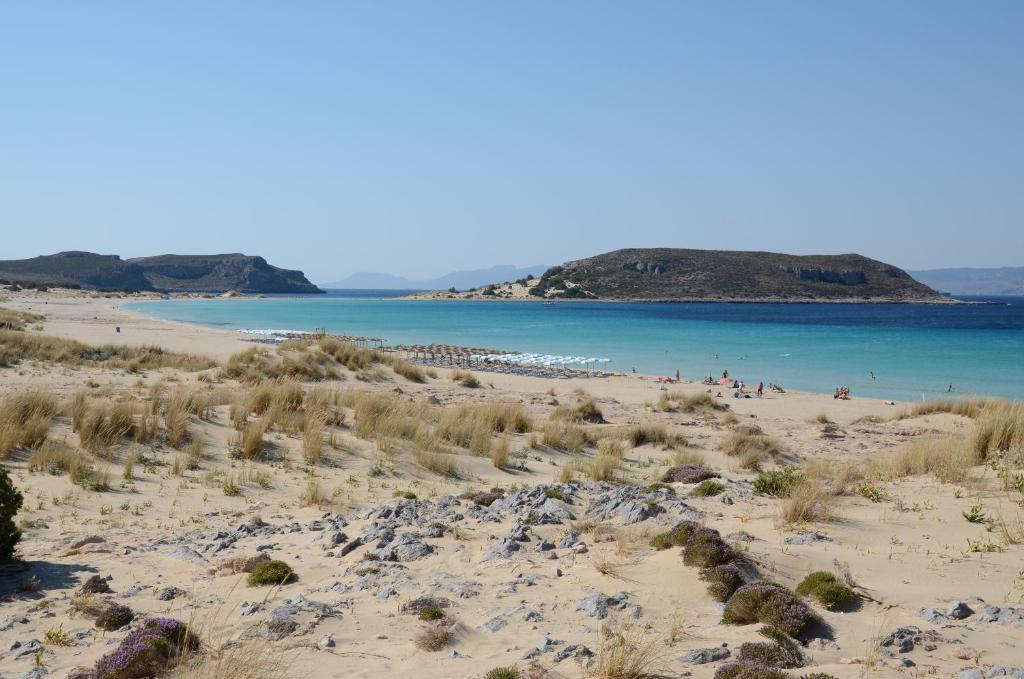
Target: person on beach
[(725, 374), (949, 389), (760, 389)]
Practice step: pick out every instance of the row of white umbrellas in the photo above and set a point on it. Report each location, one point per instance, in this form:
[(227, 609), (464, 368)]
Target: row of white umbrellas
[(539, 359)]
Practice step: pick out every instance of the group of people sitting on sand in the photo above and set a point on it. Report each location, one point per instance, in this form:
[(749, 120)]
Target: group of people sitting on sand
[(842, 393), (738, 387)]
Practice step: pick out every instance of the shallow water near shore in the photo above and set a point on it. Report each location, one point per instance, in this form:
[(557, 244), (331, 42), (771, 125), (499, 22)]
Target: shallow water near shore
[(914, 351)]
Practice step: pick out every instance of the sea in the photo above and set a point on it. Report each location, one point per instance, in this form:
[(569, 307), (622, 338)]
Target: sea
[(887, 351)]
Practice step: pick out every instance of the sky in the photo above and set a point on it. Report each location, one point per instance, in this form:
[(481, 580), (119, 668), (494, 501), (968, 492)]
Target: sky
[(417, 138)]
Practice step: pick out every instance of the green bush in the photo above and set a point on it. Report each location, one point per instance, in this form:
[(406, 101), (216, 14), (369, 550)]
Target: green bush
[(707, 488), (10, 503), (503, 673), (271, 573), (778, 482), (431, 613), (827, 589)]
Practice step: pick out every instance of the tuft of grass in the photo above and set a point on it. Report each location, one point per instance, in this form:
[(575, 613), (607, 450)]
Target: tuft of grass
[(433, 638), (707, 488), (653, 434), (252, 441), (437, 462), (500, 454), (465, 378), (807, 501), (25, 419), (313, 494), (949, 460), (748, 443), (628, 654)]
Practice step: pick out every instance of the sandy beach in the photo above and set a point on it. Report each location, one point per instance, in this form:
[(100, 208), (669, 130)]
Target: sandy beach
[(540, 559)]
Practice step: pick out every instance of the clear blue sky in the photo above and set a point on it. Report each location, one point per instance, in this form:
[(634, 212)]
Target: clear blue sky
[(421, 137)]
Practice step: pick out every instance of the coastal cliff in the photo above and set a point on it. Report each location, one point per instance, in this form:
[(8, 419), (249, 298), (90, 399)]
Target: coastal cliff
[(162, 273)]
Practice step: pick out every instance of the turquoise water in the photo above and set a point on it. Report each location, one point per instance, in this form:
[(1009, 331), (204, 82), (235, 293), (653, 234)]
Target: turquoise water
[(913, 350)]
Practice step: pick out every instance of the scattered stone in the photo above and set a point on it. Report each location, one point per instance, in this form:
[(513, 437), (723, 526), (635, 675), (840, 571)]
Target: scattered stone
[(958, 610), (808, 538), (326, 641), (902, 638), (702, 656), (88, 540), (578, 651), (94, 585), (1016, 672), (596, 604), (169, 593)]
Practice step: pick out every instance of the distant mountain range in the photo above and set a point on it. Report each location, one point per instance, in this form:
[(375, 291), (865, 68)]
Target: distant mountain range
[(163, 273), (671, 274), (1007, 280), (460, 280)]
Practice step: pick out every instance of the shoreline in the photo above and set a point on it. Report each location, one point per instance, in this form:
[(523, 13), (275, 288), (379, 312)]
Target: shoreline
[(91, 320)]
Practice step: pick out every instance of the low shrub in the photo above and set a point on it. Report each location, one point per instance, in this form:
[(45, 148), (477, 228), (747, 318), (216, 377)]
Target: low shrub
[(722, 581), (742, 670), (271, 573), (827, 589), (779, 652), (769, 604), (114, 616), (504, 673), (705, 547), (687, 473), (149, 650), (676, 536)]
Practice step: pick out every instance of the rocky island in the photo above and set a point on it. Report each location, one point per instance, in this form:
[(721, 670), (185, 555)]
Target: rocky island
[(163, 273), (682, 275)]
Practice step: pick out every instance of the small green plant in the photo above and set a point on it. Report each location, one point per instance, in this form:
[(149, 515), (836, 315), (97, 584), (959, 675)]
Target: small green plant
[(10, 502), (871, 492), (406, 494), (975, 514), (56, 636), (554, 493), (503, 673), (707, 488), (827, 589), (230, 488), (271, 573), (778, 482), (431, 613)]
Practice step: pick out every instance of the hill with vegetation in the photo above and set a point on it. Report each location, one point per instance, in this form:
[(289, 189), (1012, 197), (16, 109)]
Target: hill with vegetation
[(668, 274), (163, 273)]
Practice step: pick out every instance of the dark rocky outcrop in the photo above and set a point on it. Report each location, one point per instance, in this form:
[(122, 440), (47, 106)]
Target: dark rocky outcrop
[(667, 274), (163, 273)]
